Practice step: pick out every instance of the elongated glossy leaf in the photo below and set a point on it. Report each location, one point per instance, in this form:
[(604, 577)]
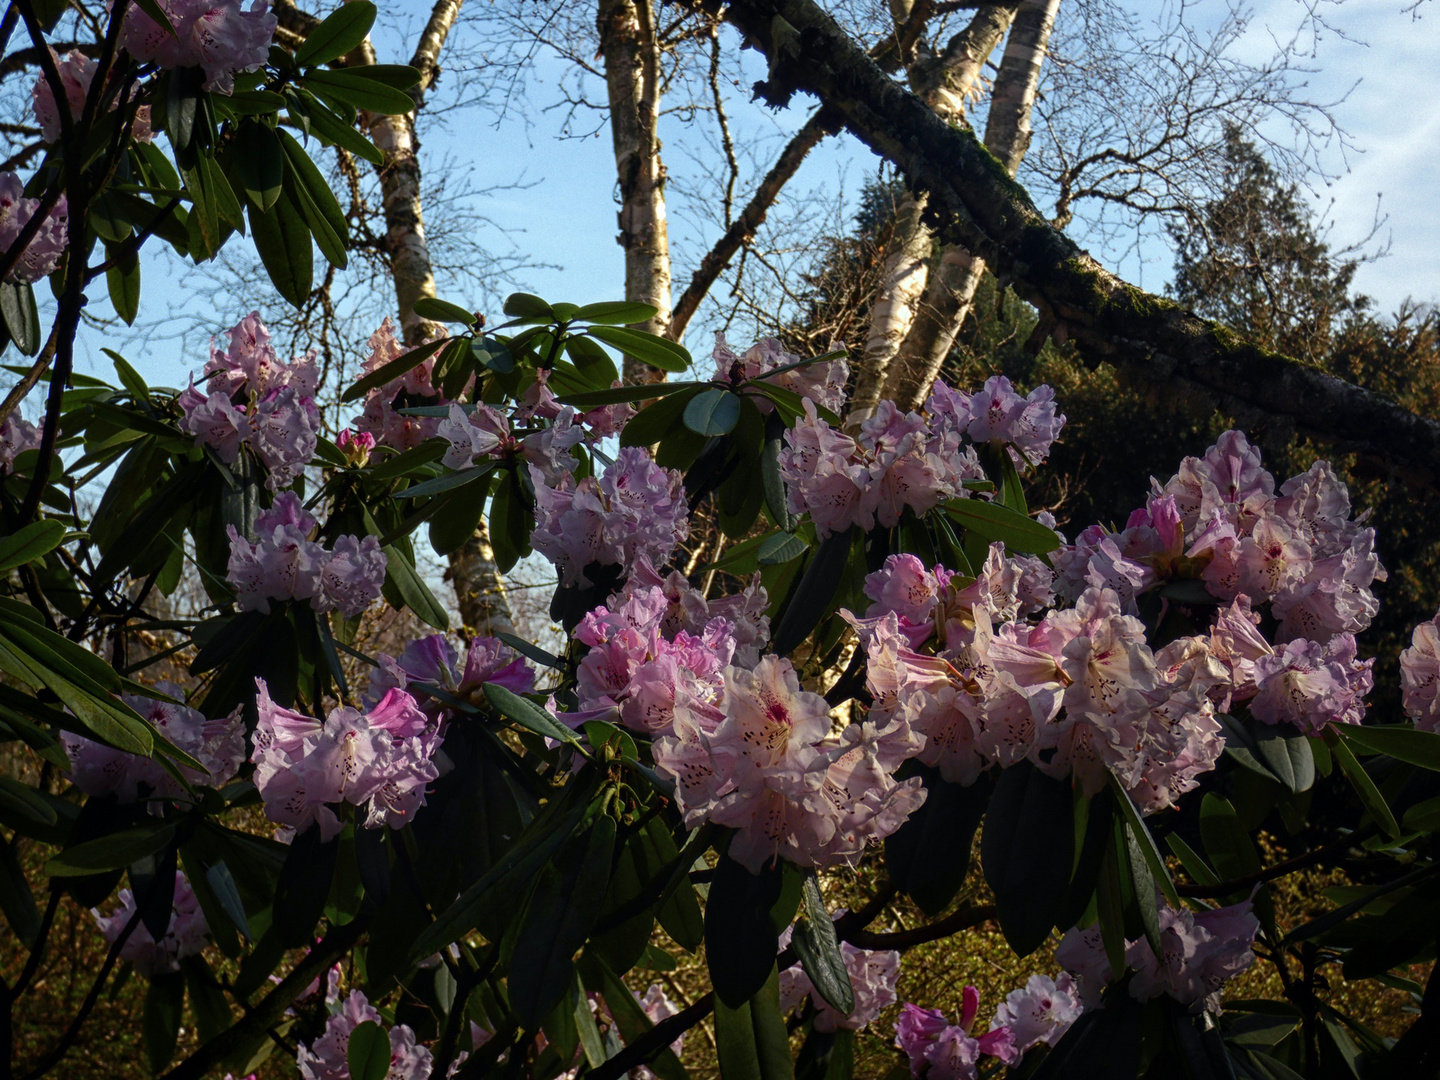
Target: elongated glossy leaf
[(113, 852), (630, 1018), (773, 484), (1227, 845), (122, 281), (164, 1006), (1286, 754), (316, 202), (22, 318), (614, 313), (744, 916), (591, 399), (712, 412), (1029, 879), (1402, 742), (343, 29), (562, 910), (1144, 842), (750, 1037), (991, 521), (16, 899), (260, 161), (818, 586), (929, 856), (818, 947), (351, 86), (400, 572), (780, 548), (403, 363), (304, 886), (657, 420), (368, 1052), (335, 130), (656, 351), (1360, 780), (29, 542), (432, 307), (445, 482), (527, 714), (282, 240)]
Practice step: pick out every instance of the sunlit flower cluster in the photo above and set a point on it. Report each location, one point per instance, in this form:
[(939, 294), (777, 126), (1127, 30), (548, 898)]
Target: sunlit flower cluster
[(823, 382), (284, 563), (219, 36), (42, 253)]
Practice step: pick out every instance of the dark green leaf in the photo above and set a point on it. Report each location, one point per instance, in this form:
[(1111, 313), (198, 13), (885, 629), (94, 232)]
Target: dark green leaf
[(1029, 879), (527, 714), (811, 600), (457, 521), (928, 857), (776, 500), (113, 852), (657, 420), (526, 306), (304, 886), (1360, 780), (24, 801), (259, 159), (446, 481), (992, 522), (29, 543), (629, 1017), (410, 588), (1227, 845), (335, 130), (818, 947), (1286, 754), (1402, 742), (744, 916), (122, 280), (780, 548), (22, 318), (712, 412), (368, 1052), (16, 899), (616, 394), (555, 925), (614, 313), (351, 86), (431, 307), (164, 1005), (750, 1037), (316, 202), (1144, 842), (282, 241), (651, 349), (343, 30)]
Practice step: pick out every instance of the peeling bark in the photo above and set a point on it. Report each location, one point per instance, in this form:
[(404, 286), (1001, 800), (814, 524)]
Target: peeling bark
[(632, 61), (951, 290), (974, 202)]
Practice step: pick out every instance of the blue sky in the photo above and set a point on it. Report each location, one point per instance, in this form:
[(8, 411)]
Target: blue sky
[(567, 218)]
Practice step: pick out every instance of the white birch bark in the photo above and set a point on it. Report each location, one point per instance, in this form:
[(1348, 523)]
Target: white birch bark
[(951, 289), (631, 53)]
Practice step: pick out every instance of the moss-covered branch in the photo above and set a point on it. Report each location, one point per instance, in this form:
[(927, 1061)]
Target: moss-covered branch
[(975, 203)]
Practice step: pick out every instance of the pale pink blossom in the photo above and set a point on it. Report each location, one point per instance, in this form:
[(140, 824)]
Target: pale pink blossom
[(1420, 675), (215, 422), (479, 434), (822, 383), (219, 36), (434, 660), (43, 252), (1228, 479), (77, 72), (635, 508), (16, 436), (284, 434), (1309, 685), (381, 417), (1029, 424), (186, 935), (327, 1057), (1039, 1012), (351, 577), (1200, 952)]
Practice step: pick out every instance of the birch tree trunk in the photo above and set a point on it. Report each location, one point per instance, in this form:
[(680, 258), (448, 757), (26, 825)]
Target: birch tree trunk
[(951, 289), (945, 81), (631, 53)]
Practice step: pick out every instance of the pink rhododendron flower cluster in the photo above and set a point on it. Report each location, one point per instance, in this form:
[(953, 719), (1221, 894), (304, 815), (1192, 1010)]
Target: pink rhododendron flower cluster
[(896, 461), (476, 432), (1028, 424), (872, 980), (634, 510), (42, 253), (1419, 672), (1039, 1012), (764, 762), (1309, 685), (1200, 952), (823, 382), (327, 1057), (187, 934), (538, 402), (940, 1050), (285, 564), (16, 436), (1079, 694), (218, 745), (382, 419), (434, 661), (254, 400), (77, 72), (219, 36), (379, 759)]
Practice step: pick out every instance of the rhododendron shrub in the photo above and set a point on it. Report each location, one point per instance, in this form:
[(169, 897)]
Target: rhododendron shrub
[(798, 661)]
